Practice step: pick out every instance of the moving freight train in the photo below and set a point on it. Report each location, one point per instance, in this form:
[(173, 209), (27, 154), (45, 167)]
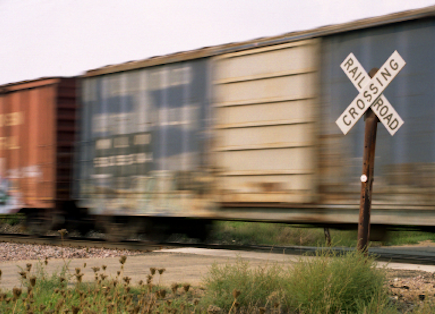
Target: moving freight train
[(240, 131)]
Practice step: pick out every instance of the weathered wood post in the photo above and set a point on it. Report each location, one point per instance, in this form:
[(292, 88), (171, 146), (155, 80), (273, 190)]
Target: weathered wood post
[(371, 126)]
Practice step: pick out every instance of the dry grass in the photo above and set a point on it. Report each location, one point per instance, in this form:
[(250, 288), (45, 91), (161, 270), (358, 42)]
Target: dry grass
[(327, 284)]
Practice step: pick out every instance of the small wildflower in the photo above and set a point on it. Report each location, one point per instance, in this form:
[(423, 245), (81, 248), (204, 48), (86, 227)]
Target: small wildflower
[(236, 293), (32, 281), (126, 279), (28, 266), (96, 269), (186, 287), (122, 259), (79, 277), (62, 232), (153, 270), (46, 261), (104, 267), (174, 287), (84, 265), (16, 292), (78, 270), (162, 270), (149, 278), (161, 293), (23, 274)]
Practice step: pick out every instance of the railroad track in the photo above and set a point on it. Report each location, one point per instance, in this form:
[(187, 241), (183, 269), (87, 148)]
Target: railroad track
[(79, 242), (412, 255)]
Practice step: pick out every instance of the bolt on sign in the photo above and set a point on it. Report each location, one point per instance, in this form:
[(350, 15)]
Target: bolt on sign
[(370, 93)]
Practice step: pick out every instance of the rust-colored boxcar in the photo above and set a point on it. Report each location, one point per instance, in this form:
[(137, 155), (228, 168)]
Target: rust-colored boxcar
[(37, 133)]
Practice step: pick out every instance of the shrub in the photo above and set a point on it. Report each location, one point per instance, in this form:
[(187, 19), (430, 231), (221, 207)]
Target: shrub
[(333, 284), (328, 283), (254, 284)]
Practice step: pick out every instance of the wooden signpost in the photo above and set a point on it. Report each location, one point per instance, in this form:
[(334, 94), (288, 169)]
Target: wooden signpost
[(376, 108)]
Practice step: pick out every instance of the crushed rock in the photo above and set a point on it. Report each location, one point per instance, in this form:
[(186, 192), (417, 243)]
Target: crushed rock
[(409, 288), (20, 252)]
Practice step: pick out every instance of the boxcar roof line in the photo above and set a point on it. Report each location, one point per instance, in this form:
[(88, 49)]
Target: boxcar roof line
[(9, 87), (266, 41)]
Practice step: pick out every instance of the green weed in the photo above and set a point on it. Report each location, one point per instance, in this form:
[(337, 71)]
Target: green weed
[(255, 285), (334, 284), (326, 284), (261, 233)]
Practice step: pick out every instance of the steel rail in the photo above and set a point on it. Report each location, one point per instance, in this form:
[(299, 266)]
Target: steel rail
[(412, 255)]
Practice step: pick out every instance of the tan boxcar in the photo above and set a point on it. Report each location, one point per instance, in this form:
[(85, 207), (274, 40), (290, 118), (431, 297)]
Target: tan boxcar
[(265, 110), (37, 132)]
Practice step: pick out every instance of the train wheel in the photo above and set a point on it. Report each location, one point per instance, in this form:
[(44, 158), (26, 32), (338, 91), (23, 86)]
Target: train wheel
[(378, 233), (77, 219), (120, 228), (199, 229), (38, 222), (156, 231)]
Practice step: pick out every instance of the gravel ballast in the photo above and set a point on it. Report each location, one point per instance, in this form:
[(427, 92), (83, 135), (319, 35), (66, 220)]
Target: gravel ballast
[(20, 252)]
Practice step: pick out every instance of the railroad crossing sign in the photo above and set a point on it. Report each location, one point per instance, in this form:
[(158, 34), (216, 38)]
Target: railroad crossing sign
[(370, 93)]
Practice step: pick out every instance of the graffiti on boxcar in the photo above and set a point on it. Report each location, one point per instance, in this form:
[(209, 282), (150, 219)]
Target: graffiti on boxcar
[(24, 172), (144, 141), (122, 160), (125, 183), (162, 193), (11, 199)]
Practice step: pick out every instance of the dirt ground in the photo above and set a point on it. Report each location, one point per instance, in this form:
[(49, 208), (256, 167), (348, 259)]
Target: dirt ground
[(410, 287)]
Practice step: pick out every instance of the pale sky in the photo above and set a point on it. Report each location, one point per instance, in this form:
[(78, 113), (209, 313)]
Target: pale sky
[(66, 37)]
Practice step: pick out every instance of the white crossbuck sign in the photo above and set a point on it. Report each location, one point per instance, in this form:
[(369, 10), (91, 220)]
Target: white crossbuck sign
[(370, 93)]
